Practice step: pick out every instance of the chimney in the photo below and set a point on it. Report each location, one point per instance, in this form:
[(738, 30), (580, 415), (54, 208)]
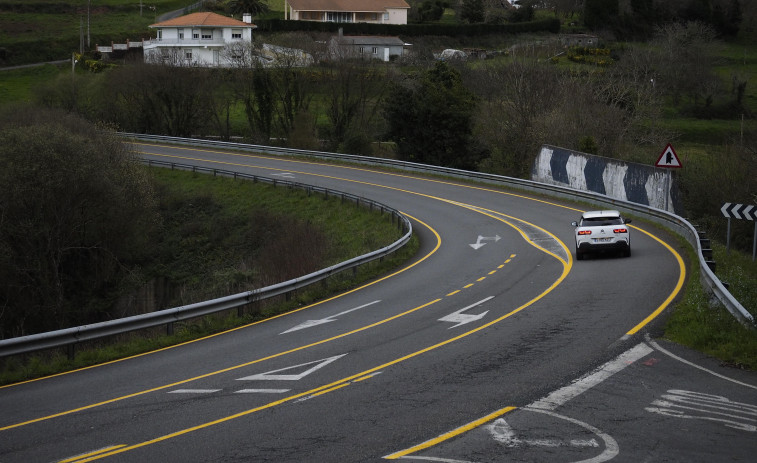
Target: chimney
[(247, 18)]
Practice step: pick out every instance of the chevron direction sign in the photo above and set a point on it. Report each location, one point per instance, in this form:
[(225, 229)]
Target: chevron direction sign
[(739, 211)]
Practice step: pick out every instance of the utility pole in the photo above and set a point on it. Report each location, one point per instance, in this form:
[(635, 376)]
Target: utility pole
[(89, 44)]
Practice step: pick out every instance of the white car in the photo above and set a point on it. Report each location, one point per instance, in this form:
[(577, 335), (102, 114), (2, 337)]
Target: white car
[(602, 231)]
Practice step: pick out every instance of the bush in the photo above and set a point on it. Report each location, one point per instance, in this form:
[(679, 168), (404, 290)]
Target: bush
[(77, 208)]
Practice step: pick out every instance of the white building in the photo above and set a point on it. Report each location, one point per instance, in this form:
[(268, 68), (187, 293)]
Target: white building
[(200, 39), (366, 47), (348, 11)]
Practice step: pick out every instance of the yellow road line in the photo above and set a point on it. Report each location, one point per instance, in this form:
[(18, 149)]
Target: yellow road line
[(673, 294), (451, 434)]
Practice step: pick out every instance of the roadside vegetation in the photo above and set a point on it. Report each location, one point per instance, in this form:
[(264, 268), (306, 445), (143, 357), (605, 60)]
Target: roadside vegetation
[(90, 234), (679, 72)]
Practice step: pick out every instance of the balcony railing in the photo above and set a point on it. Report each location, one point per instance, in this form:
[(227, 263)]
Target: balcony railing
[(186, 42)]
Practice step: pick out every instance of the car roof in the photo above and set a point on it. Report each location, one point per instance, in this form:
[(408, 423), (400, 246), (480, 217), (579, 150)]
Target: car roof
[(596, 214)]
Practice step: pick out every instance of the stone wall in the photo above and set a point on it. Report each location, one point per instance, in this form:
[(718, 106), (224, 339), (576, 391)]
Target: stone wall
[(639, 183)]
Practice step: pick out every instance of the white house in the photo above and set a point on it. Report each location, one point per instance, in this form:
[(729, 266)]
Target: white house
[(200, 39), (347, 11), (365, 46)]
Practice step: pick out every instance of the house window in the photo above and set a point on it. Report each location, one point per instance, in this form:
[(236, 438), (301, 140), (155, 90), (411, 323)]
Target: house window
[(338, 17), (366, 16), (188, 55), (160, 34), (375, 50), (207, 34), (386, 16), (362, 50), (236, 33), (181, 35), (196, 34)]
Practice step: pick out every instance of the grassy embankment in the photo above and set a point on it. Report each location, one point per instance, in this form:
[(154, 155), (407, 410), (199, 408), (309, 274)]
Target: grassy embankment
[(210, 249)]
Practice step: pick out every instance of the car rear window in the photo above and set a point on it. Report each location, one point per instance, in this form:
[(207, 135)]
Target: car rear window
[(601, 221)]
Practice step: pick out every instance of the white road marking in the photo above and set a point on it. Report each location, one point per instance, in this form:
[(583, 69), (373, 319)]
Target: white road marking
[(442, 460), (271, 376), (698, 406), (311, 323), (193, 391), (503, 433), (479, 244), (611, 446), (461, 318), (262, 391), (672, 355), (583, 384)]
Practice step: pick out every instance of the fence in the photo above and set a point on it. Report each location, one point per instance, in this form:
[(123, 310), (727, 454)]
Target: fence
[(664, 218)]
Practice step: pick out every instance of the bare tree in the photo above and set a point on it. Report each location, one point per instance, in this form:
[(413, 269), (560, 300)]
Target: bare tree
[(513, 96), (354, 87), (160, 99), (685, 60)]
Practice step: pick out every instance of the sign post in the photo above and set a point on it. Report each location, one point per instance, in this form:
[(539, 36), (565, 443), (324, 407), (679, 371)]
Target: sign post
[(740, 211)]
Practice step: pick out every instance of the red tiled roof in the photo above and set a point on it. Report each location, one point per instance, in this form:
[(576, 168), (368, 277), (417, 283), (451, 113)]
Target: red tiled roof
[(346, 5), (202, 19)]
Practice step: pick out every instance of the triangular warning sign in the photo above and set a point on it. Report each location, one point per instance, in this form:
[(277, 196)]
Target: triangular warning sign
[(668, 158)]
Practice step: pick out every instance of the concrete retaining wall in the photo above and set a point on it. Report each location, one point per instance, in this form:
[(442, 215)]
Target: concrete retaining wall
[(638, 183)]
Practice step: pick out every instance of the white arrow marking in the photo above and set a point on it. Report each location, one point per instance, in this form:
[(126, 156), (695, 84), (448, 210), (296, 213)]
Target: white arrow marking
[(478, 243), (462, 318), (284, 174), (332, 318), (502, 432), (270, 376)]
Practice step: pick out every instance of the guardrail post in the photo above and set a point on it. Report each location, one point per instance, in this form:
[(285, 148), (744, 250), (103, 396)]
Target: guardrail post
[(169, 328), (71, 351), (704, 243)]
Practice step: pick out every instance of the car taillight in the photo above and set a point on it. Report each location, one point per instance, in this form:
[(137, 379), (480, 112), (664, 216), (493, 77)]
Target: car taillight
[(584, 232), (620, 230)]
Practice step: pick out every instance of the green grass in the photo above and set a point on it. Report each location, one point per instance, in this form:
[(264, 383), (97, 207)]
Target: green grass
[(17, 85), (352, 231), (713, 330)]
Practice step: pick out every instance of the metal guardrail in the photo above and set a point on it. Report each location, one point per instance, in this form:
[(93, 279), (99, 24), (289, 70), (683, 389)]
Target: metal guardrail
[(74, 335), (667, 219)]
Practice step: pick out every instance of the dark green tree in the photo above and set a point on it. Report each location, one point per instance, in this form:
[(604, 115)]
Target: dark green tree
[(600, 14), (431, 10), (77, 213), (472, 11), (430, 117), (254, 7)]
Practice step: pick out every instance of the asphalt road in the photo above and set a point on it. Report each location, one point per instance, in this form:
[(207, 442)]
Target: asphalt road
[(492, 345)]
